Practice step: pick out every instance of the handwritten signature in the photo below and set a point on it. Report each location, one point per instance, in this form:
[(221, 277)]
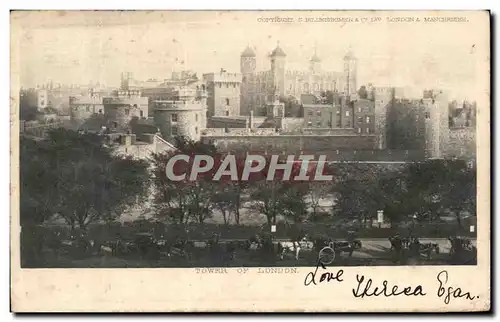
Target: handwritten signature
[(367, 288), (327, 276), (450, 292)]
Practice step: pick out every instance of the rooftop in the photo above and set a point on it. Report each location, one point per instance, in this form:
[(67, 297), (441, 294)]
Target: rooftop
[(349, 55), (315, 58), (278, 52), (248, 52)]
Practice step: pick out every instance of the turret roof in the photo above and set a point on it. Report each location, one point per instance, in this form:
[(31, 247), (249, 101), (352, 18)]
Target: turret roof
[(315, 58), (248, 52), (278, 52), (349, 55)]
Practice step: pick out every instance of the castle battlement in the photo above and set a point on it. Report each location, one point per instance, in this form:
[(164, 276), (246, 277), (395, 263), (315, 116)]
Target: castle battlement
[(306, 74), (182, 91), (124, 93), (178, 105), (222, 77), (137, 100), (296, 73), (95, 99), (264, 73)]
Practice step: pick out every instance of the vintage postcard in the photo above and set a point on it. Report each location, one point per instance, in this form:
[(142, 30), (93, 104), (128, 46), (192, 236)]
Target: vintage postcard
[(250, 161)]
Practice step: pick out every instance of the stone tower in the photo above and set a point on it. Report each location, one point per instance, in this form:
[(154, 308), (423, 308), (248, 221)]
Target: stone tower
[(437, 131), (350, 73), (247, 69), (224, 92), (248, 61), (278, 58)]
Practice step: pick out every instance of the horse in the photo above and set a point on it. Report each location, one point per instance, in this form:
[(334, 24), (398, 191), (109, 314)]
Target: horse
[(415, 248), (147, 246), (462, 250), (230, 249), (459, 244), (182, 247), (428, 248), (254, 242), (293, 246), (399, 243)]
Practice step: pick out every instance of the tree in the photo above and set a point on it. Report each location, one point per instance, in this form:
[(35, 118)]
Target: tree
[(293, 201), (223, 201), (74, 177), (392, 195), (317, 192), (38, 195), (362, 92), (443, 185), (169, 197), (93, 184), (228, 193), (327, 96), (185, 200), (362, 189), (279, 196), (191, 147)]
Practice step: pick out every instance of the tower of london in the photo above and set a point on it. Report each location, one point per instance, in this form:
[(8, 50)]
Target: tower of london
[(260, 87)]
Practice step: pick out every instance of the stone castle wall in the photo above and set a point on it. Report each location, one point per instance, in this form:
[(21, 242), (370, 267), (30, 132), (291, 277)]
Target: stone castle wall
[(292, 143), (462, 142)]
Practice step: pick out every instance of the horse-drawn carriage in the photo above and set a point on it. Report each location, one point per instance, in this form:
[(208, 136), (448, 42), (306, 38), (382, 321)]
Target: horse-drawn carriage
[(462, 250), (329, 249), (405, 247)]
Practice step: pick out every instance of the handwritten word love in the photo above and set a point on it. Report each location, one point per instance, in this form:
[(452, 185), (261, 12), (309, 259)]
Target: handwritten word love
[(327, 276)]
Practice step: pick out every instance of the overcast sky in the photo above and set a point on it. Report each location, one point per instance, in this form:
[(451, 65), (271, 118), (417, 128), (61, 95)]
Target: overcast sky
[(82, 47)]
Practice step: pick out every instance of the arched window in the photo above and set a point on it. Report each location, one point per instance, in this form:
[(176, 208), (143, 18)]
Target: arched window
[(227, 101)]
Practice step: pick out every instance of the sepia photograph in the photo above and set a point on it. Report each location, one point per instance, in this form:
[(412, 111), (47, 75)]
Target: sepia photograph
[(264, 142)]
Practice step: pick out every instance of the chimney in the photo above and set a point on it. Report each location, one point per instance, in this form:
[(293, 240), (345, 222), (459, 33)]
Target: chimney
[(250, 120)]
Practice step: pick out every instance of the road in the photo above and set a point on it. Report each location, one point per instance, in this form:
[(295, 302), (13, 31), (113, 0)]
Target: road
[(374, 252)]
